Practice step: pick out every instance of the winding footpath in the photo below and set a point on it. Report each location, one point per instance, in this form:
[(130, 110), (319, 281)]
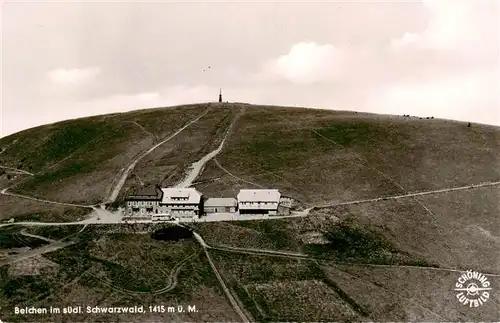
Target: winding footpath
[(264, 252), (109, 218), (367, 164), (123, 178), (395, 197), (295, 255), (5, 192), (10, 145), (197, 167), (35, 252), (145, 131), (172, 279), (53, 246), (234, 176), (116, 190), (26, 234), (17, 170)]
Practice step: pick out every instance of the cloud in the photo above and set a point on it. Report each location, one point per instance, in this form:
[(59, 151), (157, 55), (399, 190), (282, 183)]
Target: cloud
[(74, 75), (456, 25), (451, 66), (403, 42), (306, 62)]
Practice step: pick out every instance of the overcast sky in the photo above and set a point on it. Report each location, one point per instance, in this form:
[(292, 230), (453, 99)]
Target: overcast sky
[(64, 60)]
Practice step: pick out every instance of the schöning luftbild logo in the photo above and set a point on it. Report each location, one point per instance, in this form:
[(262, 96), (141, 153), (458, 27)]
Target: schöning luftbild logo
[(472, 288)]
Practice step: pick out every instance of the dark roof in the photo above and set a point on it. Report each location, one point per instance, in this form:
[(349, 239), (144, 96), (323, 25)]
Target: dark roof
[(150, 192), (142, 198)]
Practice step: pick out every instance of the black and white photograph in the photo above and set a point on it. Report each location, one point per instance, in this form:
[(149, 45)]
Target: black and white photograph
[(250, 161)]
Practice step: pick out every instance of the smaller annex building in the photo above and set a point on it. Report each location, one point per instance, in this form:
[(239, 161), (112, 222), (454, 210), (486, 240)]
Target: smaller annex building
[(258, 201), (179, 203), (220, 205), (143, 201)]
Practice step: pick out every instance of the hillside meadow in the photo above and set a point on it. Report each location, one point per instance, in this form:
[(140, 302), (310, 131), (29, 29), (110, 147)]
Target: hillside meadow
[(77, 161), (383, 260)]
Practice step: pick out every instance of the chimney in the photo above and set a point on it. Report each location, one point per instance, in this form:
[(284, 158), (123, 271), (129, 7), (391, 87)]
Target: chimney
[(220, 95)]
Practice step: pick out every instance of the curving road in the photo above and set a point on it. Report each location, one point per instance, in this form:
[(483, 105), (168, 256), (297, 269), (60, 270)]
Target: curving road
[(171, 278)]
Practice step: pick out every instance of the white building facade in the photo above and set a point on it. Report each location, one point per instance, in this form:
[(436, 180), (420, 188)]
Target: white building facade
[(179, 203), (258, 201)]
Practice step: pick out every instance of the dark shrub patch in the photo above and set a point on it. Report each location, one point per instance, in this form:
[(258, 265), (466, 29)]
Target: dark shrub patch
[(172, 233), (353, 242)]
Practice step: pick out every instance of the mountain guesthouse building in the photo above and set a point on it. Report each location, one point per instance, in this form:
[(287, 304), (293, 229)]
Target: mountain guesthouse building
[(156, 204), (143, 202), (188, 204), (258, 201), (179, 203)]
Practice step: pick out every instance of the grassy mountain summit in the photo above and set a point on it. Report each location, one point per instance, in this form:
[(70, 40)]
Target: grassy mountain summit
[(338, 154), (359, 169)]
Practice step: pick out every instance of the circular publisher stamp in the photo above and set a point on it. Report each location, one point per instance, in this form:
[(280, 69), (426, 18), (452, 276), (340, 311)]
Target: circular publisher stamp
[(472, 288)]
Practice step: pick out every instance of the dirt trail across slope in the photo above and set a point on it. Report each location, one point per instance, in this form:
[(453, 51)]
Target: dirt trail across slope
[(367, 164), (146, 131), (5, 149), (17, 170), (230, 297), (124, 175), (197, 167), (288, 254), (395, 197), (234, 176), (35, 252), (24, 233), (116, 219), (294, 255), (55, 245), (5, 192)]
